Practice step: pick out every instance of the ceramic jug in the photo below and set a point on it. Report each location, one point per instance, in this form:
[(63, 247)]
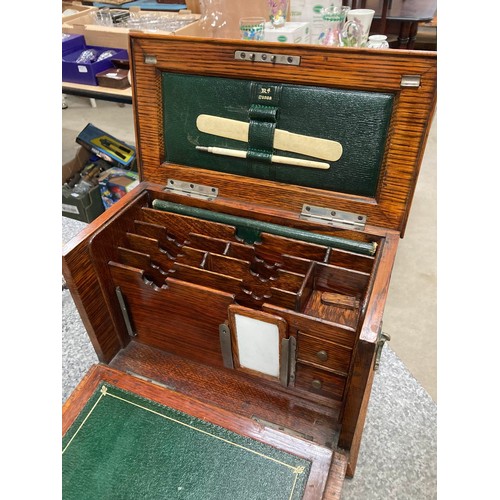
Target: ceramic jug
[(333, 24), (377, 42)]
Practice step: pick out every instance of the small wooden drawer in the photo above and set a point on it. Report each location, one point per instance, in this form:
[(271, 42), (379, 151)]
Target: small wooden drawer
[(323, 353), (319, 382)]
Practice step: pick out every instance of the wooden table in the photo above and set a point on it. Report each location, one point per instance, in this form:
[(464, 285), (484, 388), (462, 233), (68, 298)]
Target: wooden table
[(98, 92), (400, 17)]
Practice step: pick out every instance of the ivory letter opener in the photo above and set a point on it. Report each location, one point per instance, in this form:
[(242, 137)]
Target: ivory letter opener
[(316, 147)]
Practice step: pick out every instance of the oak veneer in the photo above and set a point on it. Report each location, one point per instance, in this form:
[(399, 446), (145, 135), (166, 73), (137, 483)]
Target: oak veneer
[(179, 275)]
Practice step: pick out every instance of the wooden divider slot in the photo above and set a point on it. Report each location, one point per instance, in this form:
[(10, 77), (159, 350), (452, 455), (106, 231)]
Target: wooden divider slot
[(335, 293), (165, 238), (151, 247), (295, 264), (182, 225), (351, 260), (207, 243), (272, 248), (191, 257), (313, 279), (227, 265), (139, 260), (240, 251), (289, 281), (206, 278)]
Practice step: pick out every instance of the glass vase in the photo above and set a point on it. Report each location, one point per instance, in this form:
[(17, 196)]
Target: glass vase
[(213, 21), (334, 18), (278, 10)]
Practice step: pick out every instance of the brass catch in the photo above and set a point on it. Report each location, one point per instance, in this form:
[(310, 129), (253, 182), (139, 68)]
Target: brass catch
[(382, 339)]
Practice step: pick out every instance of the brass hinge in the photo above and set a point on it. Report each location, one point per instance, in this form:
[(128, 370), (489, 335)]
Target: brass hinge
[(282, 428), (151, 381), (192, 190), (333, 217)]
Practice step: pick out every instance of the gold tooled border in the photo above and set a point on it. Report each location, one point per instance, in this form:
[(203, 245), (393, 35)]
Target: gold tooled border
[(296, 470)]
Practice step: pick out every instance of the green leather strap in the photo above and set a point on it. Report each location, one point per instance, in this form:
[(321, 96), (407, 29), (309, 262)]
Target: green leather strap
[(263, 115), (249, 230), (260, 140)]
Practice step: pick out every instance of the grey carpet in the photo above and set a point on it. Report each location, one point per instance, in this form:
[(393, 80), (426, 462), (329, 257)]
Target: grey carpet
[(397, 460)]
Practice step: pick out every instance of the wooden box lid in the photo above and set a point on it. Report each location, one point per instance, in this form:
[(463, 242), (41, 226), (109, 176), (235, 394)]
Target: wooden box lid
[(376, 104)]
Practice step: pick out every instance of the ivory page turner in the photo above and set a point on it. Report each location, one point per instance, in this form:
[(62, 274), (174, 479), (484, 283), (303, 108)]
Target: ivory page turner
[(285, 160), (316, 147)]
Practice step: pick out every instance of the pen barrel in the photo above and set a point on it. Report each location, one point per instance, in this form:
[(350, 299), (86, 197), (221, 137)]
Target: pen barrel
[(282, 160), (227, 152), (298, 162)]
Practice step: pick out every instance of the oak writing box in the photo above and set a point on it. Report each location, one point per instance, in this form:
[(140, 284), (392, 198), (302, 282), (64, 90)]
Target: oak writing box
[(243, 282)]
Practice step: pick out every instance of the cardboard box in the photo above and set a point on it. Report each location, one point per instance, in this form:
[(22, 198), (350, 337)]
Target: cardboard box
[(85, 72), (233, 11), (290, 33), (116, 152), (115, 183), (117, 36), (310, 11), (87, 206)]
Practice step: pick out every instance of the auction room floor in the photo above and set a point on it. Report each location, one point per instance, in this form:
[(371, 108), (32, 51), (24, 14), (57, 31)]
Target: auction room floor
[(410, 314)]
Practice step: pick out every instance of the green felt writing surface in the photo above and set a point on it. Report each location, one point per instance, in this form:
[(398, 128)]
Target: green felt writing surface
[(358, 120), (123, 446)]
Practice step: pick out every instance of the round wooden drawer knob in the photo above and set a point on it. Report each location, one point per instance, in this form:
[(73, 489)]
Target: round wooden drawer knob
[(316, 384), (322, 355)]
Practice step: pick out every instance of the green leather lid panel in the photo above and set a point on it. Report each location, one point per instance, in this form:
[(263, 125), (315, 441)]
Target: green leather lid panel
[(359, 120), (128, 447)]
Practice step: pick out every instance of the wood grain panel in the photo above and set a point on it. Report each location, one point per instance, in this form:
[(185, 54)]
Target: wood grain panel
[(332, 385), (170, 318), (338, 357), (346, 68), (317, 327), (85, 270), (232, 390)]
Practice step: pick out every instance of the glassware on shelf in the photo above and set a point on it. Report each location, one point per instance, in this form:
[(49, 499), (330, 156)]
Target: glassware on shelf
[(87, 56), (334, 18), (103, 17), (213, 22), (363, 18), (252, 28), (377, 42), (152, 23), (278, 10)]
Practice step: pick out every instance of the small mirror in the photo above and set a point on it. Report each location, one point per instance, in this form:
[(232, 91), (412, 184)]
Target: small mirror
[(257, 341)]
